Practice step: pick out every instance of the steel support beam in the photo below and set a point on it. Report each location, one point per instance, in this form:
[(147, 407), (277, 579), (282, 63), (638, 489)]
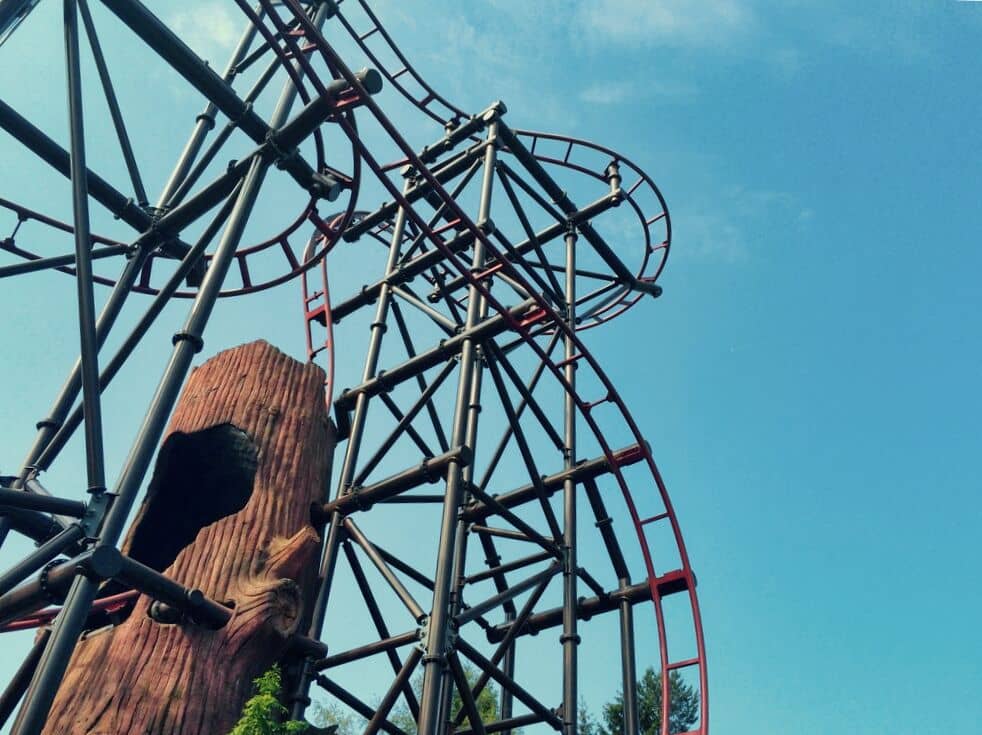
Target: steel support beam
[(449, 575), (336, 532), (60, 261), (629, 676), (667, 584), (360, 499), (593, 468), (570, 638), (473, 333), (10, 498)]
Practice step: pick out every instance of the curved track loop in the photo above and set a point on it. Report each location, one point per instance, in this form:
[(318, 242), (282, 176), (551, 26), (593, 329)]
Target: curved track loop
[(377, 44), (285, 45), (587, 406)]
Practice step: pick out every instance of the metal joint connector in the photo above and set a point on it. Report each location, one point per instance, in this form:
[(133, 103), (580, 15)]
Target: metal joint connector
[(428, 475), (45, 585), (206, 118), (383, 382), (359, 500), (194, 339)]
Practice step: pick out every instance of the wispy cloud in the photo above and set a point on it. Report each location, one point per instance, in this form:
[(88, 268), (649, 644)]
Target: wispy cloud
[(614, 93), (664, 22), (730, 230), (209, 28)]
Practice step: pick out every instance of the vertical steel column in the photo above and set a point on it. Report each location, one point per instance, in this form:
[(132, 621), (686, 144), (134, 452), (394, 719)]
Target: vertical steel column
[(473, 409), (632, 724), (69, 623), (89, 353), (441, 614), (570, 639), (508, 667), (335, 531)]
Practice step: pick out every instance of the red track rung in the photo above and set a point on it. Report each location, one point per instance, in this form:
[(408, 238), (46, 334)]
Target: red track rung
[(596, 403), (318, 315), (629, 456), (488, 271), (683, 664), (652, 519), (532, 318), (568, 360), (672, 583), (449, 225)]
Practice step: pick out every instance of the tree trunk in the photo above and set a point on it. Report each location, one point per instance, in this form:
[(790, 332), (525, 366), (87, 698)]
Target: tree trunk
[(227, 512)]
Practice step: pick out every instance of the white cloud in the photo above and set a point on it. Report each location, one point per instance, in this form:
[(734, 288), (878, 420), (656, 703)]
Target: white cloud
[(209, 28), (708, 236), (735, 226), (664, 22), (612, 93)]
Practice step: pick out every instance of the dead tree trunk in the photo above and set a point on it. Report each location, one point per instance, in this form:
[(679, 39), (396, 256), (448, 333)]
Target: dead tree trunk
[(227, 512)]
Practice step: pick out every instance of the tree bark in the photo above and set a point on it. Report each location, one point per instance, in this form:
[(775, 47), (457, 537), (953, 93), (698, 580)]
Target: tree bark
[(227, 512)]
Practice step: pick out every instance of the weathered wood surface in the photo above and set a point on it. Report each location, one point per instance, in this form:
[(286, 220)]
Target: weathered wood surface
[(147, 678)]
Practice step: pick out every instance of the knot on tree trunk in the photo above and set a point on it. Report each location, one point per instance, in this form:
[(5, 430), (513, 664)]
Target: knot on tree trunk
[(269, 601)]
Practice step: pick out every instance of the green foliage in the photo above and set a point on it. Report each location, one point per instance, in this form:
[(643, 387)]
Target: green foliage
[(331, 714), (684, 707), (684, 711), (587, 723), (487, 701), (401, 717), (263, 714)]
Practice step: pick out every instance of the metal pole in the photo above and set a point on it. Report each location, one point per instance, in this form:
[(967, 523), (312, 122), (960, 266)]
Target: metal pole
[(632, 723), (473, 410), (335, 530), (205, 121), (450, 555), (95, 469), (37, 559), (107, 318), (59, 261), (22, 678), (187, 342), (48, 427), (570, 638), (68, 425), (508, 666)]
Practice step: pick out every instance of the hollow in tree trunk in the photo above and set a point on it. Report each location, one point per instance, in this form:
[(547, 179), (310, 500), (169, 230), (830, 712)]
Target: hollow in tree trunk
[(227, 512)]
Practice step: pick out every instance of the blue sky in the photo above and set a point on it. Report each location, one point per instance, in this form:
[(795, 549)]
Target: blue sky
[(808, 381)]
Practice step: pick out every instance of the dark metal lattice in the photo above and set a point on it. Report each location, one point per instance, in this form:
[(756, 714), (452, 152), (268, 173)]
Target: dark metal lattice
[(481, 426)]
